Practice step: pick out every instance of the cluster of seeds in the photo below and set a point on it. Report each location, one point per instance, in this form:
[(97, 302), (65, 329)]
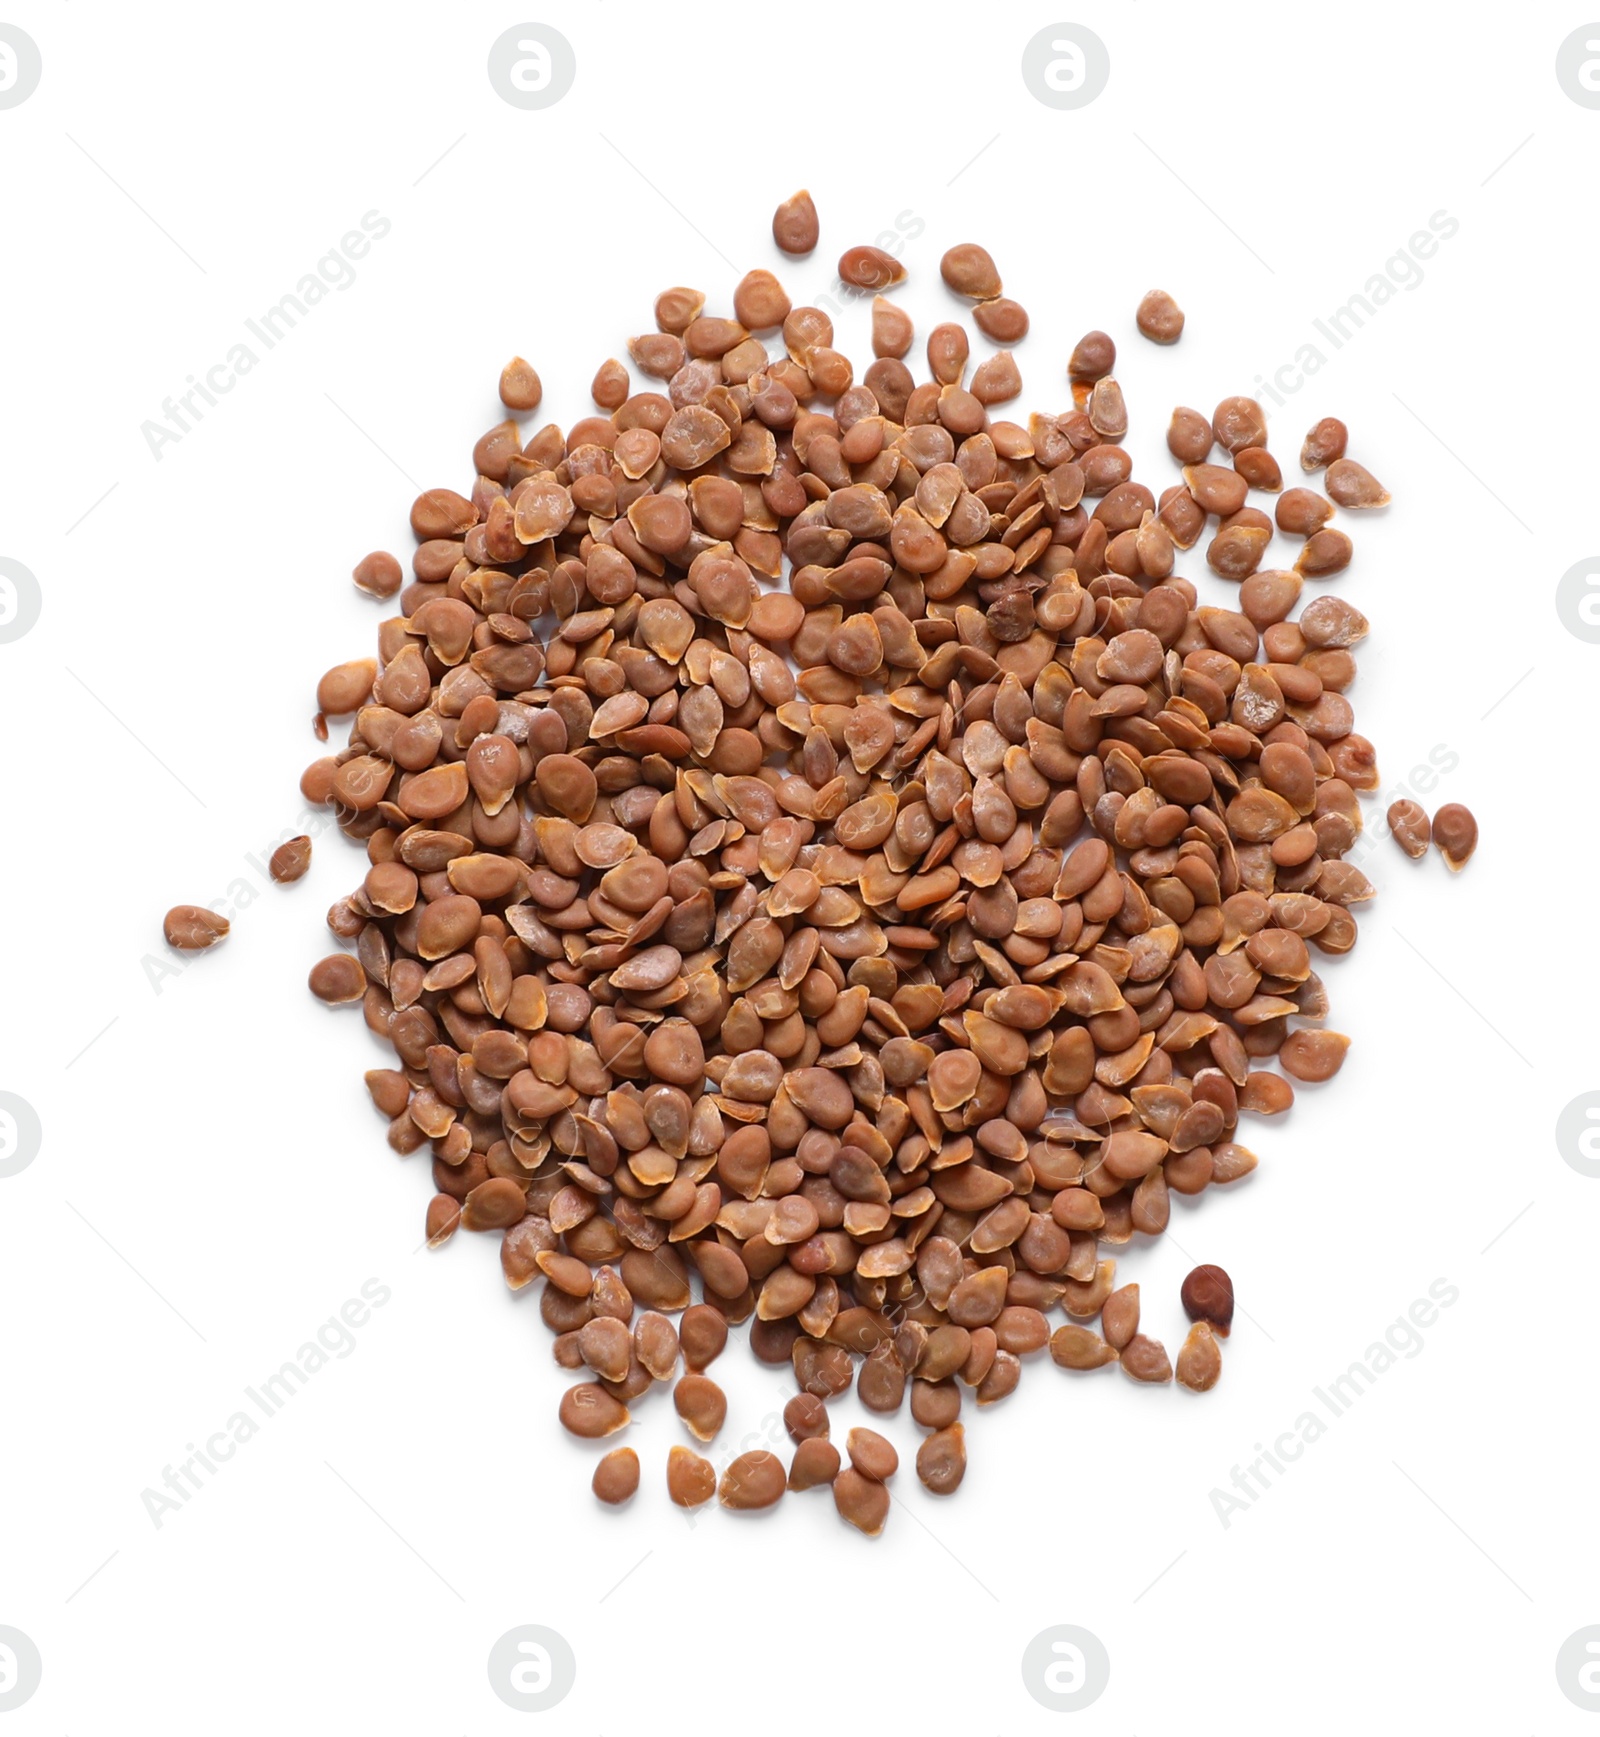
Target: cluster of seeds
[(824, 855)]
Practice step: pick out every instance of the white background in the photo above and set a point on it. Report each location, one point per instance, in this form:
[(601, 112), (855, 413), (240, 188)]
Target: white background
[(213, 1184)]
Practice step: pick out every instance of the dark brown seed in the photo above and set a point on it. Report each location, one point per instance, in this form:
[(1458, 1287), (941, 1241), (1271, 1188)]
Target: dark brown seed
[(616, 1478), (190, 928), (1208, 1296), (1455, 831)]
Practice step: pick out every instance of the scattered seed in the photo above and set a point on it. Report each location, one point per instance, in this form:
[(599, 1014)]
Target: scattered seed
[(190, 928), (1325, 443), (520, 386), (616, 1477), (794, 224), (338, 979), (969, 271), (1455, 831), (378, 574), (1160, 318), (291, 860), (1408, 826), (868, 267)]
